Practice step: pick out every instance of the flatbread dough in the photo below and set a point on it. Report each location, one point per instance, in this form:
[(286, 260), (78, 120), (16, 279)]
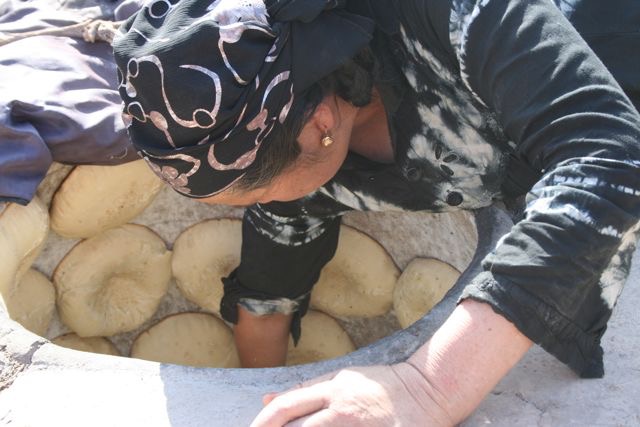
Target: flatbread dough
[(96, 198), (193, 339), (32, 302), (112, 282), (322, 338), (358, 281), (23, 231), (99, 345), (421, 286), (202, 255)]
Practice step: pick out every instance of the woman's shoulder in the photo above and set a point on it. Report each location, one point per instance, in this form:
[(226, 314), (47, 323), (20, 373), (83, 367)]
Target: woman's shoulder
[(413, 35)]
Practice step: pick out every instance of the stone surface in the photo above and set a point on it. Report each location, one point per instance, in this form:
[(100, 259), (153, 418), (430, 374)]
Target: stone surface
[(540, 391)]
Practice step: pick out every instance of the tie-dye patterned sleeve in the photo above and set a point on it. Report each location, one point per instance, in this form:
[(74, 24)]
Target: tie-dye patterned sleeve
[(284, 247), (558, 273)]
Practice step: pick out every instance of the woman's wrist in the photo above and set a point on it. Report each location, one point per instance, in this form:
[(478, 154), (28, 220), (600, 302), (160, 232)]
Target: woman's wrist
[(431, 402), (467, 357)]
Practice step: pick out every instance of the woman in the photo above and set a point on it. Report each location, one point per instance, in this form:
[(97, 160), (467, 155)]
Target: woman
[(303, 110)]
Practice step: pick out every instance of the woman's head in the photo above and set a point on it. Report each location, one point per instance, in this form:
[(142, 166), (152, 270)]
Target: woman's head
[(316, 163), (209, 85), (352, 83)]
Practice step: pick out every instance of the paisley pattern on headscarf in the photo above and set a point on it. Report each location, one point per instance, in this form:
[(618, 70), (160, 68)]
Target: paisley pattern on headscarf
[(206, 84)]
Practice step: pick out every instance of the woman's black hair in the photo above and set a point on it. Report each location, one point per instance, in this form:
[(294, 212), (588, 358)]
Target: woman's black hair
[(353, 82)]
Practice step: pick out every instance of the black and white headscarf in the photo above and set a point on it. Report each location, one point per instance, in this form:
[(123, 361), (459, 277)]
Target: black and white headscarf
[(205, 83)]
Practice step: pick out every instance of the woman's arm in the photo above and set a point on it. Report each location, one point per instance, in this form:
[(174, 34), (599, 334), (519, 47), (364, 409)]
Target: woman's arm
[(468, 356), (439, 385), (559, 271), (571, 121), (284, 247)]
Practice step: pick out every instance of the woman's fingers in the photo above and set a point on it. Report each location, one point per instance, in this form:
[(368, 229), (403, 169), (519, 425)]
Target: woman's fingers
[(267, 398), (324, 417), (293, 404)]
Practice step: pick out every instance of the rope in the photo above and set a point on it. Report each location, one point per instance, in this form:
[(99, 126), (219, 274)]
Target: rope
[(92, 31)]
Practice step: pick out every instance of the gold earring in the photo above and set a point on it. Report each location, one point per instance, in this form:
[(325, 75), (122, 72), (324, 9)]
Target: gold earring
[(326, 140)]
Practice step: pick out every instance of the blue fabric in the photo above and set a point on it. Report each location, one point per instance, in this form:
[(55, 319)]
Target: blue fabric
[(57, 103)]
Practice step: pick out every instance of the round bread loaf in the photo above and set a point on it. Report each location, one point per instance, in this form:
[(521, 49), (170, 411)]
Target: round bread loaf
[(322, 338), (23, 231), (32, 302), (96, 198), (99, 345), (112, 282), (202, 255), (193, 339), (421, 286), (358, 281)]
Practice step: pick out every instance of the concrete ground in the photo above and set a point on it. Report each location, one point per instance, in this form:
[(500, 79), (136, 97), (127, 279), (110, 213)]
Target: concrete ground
[(540, 391)]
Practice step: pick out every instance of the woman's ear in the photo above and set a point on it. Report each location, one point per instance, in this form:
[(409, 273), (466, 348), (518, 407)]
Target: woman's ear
[(324, 117), (333, 117), (321, 123)]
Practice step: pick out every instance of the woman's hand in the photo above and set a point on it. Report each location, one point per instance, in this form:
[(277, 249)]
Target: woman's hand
[(368, 397), (441, 384)]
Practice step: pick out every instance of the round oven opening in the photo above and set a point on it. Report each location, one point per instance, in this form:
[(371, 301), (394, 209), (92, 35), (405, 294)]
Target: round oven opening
[(138, 273)]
